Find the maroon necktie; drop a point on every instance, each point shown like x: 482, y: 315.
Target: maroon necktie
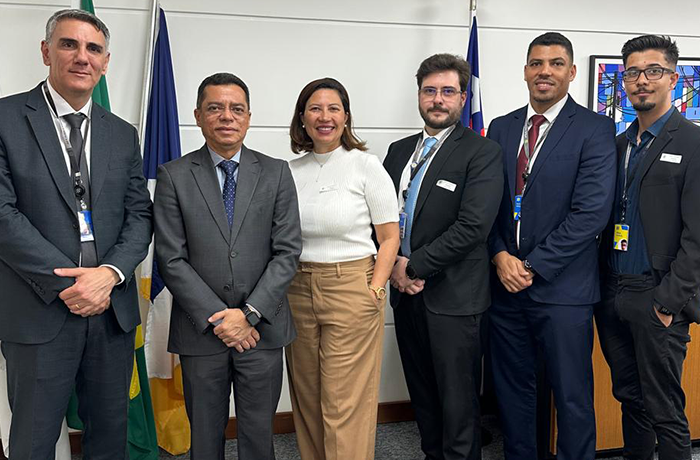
x: 532, y: 135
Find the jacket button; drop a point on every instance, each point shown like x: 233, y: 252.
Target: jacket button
x: 233, y: 254
x: 227, y: 288
x: 75, y: 226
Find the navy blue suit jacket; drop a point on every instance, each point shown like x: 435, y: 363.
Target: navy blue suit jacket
x: 566, y: 204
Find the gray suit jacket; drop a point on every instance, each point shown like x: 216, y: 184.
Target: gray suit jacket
x: 38, y: 219
x: 208, y: 266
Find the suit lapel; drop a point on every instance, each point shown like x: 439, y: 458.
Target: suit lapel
x: 435, y: 167
x: 100, y: 151
x: 660, y: 142
x: 208, y: 183
x: 398, y: 163
x: 556, y: 132
x: 515, y: 134
x: 45, y: 131
x: 248, y: 176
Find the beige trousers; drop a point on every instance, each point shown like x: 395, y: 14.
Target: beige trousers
x: 335, y: 361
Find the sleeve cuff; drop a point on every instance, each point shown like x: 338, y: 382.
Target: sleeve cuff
x: 117, y: 271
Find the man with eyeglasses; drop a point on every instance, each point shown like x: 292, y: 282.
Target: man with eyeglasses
x: 651, y: 284
x: 449, y: 183
x: 228, y: 241
x: 560, y: 172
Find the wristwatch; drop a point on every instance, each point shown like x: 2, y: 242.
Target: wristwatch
x: 410, y: 272
x: 380, y: 292
x: 663, y: 310
x: 528, y: 266
x: 250, y: 315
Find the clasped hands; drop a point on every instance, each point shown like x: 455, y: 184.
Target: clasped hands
x: 234, y: 329
x: 89, y: 296
x: 403, y: 283
x: 512, y: 272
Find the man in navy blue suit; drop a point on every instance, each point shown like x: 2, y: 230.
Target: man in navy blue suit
x: 559, y: 165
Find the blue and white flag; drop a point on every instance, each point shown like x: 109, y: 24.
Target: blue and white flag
x: 472, y: 115
x: 161, y: 143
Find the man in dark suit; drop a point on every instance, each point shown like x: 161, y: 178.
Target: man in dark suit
x: 651, y: 284
x: 559, y: 163
x: 75, y: 221
x: 228, y: 240
x: 449, y: 183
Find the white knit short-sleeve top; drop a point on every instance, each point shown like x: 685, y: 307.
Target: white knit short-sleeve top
x: 341, y: 194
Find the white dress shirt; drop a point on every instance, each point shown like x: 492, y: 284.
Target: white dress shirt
x: 63, y: 133
x: 550, y: 116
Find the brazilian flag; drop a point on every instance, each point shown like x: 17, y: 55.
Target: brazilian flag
x: 141, y: 438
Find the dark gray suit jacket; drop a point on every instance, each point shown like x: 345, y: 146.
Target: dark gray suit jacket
x: 38, y: 219
x: 208, y: 266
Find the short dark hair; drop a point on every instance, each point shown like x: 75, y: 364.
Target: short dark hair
x: 442, y: 62
x: 661, y: 43
x: 79, y: 15
x: 551, y: 39
x: 219, y: 79
x: 300, y: 139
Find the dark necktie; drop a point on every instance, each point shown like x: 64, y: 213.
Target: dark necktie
x: 75, y: 120
x: 532, y: 135
x: 229, y: 192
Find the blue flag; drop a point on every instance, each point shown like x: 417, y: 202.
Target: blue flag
x: 162, y: 136
x: 472, y: 115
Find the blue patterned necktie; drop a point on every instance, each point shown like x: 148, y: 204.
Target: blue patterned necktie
x: 412, y: 198
x: 229, y: 192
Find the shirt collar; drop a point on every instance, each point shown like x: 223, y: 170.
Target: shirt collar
x: 438, y: 136
x: 63, y: 107
x: 551, y: 113
x: 654, y: 130
x: 216, y: 158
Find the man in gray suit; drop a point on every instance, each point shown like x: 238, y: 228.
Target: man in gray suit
x: 75, y: 221
x: 227, y: 243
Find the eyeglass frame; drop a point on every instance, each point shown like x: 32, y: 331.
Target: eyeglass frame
x: 440, y: 91
x: 644, y: 71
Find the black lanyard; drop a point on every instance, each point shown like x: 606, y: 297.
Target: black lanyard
x: 78, y: 185
x: 630, y: 175
x: 530, y: 155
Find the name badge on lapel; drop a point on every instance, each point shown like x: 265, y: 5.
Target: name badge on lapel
x: 447, y: 185
x: 671, y: 158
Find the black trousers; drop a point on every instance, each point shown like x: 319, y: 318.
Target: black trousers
x: 646, y: 362
x: 256, y: 375
x: 441, y: 358
x: 92, y: 355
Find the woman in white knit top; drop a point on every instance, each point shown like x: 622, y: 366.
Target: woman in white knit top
x: 337, y: 297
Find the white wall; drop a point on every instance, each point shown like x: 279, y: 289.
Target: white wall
x: 373, y: 47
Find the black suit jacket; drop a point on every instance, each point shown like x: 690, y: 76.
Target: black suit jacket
x: 669, y: 206
x: 450, y: 228
x: 38, y: 219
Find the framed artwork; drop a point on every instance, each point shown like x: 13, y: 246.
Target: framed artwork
x: 607, y: 95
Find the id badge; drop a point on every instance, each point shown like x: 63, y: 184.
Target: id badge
x: 518, y: 206
x: 621, y: 237
x: 85, y: 223
x: 403, y: 217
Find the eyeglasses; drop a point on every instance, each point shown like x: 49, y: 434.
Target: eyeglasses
x: 652, y: 73
x: 447, y: 92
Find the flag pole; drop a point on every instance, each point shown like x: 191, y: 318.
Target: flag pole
x: 148, y: 71
x: 472, y: 13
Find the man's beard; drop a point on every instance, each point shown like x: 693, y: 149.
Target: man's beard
x: 451, y: 119
x: 643, y: 106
